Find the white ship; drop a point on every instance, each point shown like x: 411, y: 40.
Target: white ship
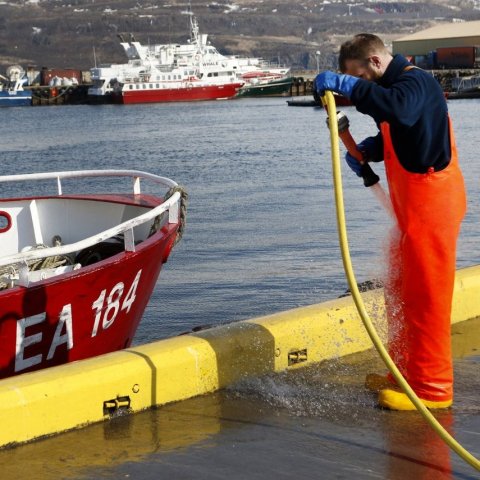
x: 180, y: 72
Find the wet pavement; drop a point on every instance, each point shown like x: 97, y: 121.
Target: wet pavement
x: 316, y: 422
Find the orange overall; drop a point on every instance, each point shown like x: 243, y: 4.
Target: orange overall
x: 429, y: 209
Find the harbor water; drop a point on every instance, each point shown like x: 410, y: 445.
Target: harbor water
x: 260, y: 238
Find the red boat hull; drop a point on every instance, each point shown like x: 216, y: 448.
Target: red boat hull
x: 83, y: 313
x: 184, y: 94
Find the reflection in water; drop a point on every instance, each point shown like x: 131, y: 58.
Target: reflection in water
x: 125, y: 438
x: 414, y: 449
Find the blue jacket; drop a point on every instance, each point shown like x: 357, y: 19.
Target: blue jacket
x: 414, y: 105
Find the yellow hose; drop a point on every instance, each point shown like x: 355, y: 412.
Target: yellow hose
x: 347, y: 265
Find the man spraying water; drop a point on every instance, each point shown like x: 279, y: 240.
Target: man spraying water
x: 416, y: 142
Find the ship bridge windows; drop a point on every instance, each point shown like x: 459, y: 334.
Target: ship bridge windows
x: 220, y: 74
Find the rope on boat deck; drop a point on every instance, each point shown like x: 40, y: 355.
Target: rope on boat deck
x: 183, y: 209
x: 357, y: 297
x: 183, y: 212
x: 9, y: 271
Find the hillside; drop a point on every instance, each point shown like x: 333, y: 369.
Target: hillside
x: 64, y: 34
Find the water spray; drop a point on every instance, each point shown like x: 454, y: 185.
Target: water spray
x: 370, y: 178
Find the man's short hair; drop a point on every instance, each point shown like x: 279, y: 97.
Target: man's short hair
x: 360, y: 47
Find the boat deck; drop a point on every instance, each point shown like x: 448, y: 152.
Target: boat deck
x: 315, y: 422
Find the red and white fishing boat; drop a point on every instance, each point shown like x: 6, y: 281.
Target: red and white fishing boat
x: 187, y: 89
x: 184, y: 72
x: 157, y: 74
x: 77, y: 269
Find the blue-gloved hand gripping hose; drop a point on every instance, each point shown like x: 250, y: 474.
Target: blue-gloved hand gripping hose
x: 347, y: 265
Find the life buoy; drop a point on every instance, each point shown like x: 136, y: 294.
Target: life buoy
x: 53, y: 91
x: 5, y: 221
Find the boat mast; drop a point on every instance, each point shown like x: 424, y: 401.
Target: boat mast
x: 194, y: 30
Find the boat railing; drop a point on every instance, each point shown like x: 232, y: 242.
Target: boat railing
x: 172, y: 205
x: 466, y: 83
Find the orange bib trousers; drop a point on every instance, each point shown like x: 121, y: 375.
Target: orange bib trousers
x: 429, y: 209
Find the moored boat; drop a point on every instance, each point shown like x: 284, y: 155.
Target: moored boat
x: 340, y: 101
x: 304, y: 103
x: 159, y: 73
x: 12, y: 93
x: 184, y: 72
x: 185, y: 90
x: 266, y: 86
x: 77, y: 269
x: 465, y: 87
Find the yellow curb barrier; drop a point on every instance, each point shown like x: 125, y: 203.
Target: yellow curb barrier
x: 70, y: 396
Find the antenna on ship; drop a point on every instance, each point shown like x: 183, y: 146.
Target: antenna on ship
x: 193, y: 24
x: 194, y: 28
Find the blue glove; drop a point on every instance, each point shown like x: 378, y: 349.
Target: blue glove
x: 368, y: 147
x: 339, y: 83
x: 354, y: 164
